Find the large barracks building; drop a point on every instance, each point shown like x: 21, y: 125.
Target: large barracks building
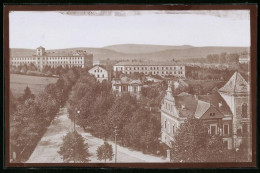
x: 41, y: 58
x: 154, y: 68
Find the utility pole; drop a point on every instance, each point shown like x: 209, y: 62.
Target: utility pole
x: 115, y: 143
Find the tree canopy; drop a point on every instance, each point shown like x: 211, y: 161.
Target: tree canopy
x: 105, y: 152
x: 74, y: 149
x: 193, y: 144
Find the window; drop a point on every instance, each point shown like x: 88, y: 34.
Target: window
x: 226, y: 143
x: 244, y: 110
x: 173, y: 130
x: 213, y: 129
x: 165, y: 124
x: 169, y: 127
x: 244, y: 128
x: 225, y: 129
x: 98, y: 75
x: 212, y: 114
x: 135, y: 89
x: 239, y: 131
x: 103, y: 75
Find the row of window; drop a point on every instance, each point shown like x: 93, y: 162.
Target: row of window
x: 48, y: 58
x: 152, y: 68
x: 147, y: 68
x: 98, y: 76
x: 52, y: 62
x: 180, y: 72
x: 97, y: 70
x: 213, y: 129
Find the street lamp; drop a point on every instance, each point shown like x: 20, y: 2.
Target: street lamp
x: 115, y: 143
x: 78, y: 112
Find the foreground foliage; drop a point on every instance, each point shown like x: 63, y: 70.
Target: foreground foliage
x: 31, y: 115
x: 105, y: 152
x: 74, y: 149
x: 101, y: 112
x: 194, y: 144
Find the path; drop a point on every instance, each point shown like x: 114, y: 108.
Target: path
x: 47, y: 149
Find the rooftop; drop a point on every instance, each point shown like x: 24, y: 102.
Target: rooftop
x: 148, y: 63
x: 217, y: 101
x: 236, y: 84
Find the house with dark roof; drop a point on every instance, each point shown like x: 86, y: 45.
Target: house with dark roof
x: 126, y: 85
x: 226, y: 113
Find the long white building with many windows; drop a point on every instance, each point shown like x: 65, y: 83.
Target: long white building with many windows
x: 41, y: 58
x: 154, y: 68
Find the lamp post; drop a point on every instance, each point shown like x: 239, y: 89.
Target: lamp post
x: 115, y: 144
x: 78, y: 112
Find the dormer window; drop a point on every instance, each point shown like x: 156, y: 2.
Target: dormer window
x: 212, y: 114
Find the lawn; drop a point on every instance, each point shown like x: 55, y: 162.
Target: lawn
x: 36, y: 83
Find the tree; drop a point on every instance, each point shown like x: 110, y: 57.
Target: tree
x: 193, y: 144
x: 74, y: 149
x: 26, y: 95
x: 105, y: 152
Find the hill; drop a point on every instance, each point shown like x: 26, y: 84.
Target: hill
x: 142, y: 48
x: 152, y: 52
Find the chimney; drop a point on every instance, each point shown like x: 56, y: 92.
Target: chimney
x: 182, y: 107
x: 219, y: 104
x: 196, y: 97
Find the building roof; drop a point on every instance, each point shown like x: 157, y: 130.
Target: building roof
x: 236, y: 84
x: 147, y: 63
x: 30, y: 53
x: 126, y: 80
x: 244, y: 57
x: 40, y: 47
x: 186, y: 104
x: 202, y: 107
x: 217, y: 101
x: 97, y: 66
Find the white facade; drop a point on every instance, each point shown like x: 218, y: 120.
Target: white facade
x: 155, y: 68
x: 99, y: 73
x: 42, y: 58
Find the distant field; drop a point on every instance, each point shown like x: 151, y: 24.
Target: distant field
x: 37, y: 84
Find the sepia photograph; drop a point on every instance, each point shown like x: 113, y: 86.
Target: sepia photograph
x: 130, y: 86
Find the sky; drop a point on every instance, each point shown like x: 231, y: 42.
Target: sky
x: 54, y: 30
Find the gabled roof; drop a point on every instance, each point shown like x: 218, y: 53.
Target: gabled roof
x: 40, y: 47
x: 217, y: 101
x: 236, y: 84
x: 202, y: 107
x: 147, y: 63
x: 186, y: 105
x: 97, y: 66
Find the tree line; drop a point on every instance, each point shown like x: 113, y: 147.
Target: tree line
x: 31, y: 69
x: 223, y: 58
x: 30, y: 115
x: 101, y: 112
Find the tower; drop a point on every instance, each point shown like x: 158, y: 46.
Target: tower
x: 236, y: 94
x: 40, y: 51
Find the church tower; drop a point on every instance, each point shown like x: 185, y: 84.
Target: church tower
x: 236, y: 94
